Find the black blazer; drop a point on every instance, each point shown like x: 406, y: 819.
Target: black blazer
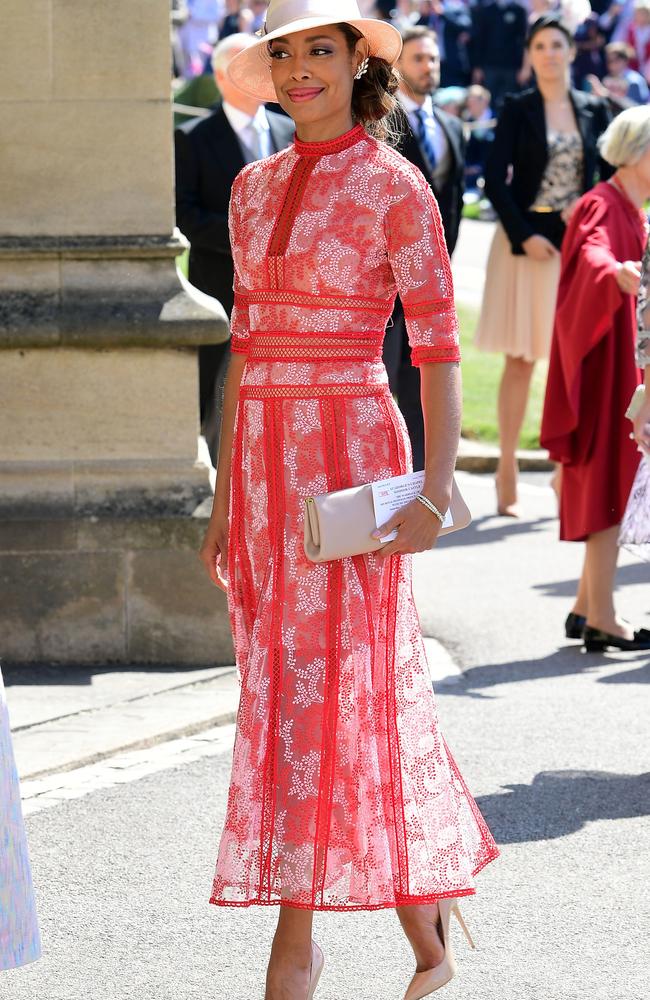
x: 208, y: 158
x: 520, y: 144
x: 450, y: 194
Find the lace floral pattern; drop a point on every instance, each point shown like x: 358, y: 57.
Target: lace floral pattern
x: 635, y: 526
x: 643, y: 313
x: 343, y: 792
x: 562, y: 181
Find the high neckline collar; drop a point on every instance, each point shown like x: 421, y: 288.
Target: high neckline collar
x: 329, y: 146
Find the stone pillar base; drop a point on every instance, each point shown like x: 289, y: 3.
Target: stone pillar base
x: 127, y: 591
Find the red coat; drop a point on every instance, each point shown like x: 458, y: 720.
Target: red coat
x: 592, y: 371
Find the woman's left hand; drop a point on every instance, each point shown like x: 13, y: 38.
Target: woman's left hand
x: 417, y: 531
x: 642, y: 426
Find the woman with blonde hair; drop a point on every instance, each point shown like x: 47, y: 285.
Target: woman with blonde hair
x: 593, y: 373
x: 344, y: 795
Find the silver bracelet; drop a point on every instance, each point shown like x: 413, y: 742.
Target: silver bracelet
x: 431, y: 506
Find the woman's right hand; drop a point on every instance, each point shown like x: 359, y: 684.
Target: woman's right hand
x: 214, y: 550
x: 628, y: 276
x: 539, y: 248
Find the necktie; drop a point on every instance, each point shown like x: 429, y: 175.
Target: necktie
x: 253, y: 141
x: 425, y: 140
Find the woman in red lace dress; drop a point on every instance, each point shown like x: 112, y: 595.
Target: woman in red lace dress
x: 343, y: 794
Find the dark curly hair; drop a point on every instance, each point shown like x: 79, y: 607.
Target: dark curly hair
x: 374, y: 104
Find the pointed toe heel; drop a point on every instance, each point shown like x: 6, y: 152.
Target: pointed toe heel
x: 425, y: 983
x: 317, y: 963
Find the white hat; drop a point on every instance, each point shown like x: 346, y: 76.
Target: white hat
x: 250, y: 69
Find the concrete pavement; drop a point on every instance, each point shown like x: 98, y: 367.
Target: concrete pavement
x: 553, y: 742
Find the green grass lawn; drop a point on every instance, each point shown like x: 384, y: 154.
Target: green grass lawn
x: 481, y: 376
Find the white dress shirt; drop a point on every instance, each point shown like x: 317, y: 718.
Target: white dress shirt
x: 253, y: 134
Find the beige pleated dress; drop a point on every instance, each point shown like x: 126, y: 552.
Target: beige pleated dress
x: 520, y: 294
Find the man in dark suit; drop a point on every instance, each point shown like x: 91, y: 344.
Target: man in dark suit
x: 498, y: 43
x: 210, y: 152
x: 434, y: 142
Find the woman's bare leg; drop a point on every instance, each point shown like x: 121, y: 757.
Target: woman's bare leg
x: 513, y: 400
x: 287, y: 977
x: 420, y: 924
x: 581, y: 604
x: 600, y: 571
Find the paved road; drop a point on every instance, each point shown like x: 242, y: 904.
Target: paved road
x: 553, y: 743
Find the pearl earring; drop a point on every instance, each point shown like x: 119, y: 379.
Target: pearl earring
x: 363, y: 68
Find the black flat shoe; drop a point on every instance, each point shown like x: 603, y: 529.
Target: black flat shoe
x: 574, y: 626
x: 597, y: 641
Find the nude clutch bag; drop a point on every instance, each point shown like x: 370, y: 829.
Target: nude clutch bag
x: 340, y: 524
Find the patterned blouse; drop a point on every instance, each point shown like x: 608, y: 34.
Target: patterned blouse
x: 562, y: 180
x: 643, y: 313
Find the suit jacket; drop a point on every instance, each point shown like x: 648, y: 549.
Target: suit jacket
x: 498, y: 35
x: 520, y: 144
x: 208, y: 158
x: 450, y: 195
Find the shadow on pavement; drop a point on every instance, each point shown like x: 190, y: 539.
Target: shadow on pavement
x: 638, y: 675
x: 477, y: 534
x: 558, y: 803
x: 563, y: 663
x: 634, y: 573
x: 50, y: 675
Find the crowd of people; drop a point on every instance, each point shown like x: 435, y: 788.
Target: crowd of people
x: 332, y: 237
x: 344, y: 795
x: 536, y: 160
x: 482, y: 42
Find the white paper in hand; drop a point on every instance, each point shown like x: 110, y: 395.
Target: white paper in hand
x: 390, y: 495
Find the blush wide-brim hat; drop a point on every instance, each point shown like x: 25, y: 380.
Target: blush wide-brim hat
x: 250, y: 70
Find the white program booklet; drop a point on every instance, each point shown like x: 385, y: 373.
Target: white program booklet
x: 390, y: 495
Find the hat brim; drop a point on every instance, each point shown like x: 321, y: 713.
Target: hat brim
x: 250, y: 70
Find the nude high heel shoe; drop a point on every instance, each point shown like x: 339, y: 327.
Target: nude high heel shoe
x: 317, y: 963
x: 424, y: 983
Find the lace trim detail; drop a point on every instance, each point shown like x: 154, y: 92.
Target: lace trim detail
x: 330, y: 146
x: 334, y: 445
x: 315, y: 347
x: 285, y: 220
x: 431, y: 308
x: 276, y: 517
x: 420, y: 355
x: 289, y: 297
x: 311, y: 391
x: 239, y: 567
x: 239, y: 345
x: 399, y: 900
x: 342, y: 337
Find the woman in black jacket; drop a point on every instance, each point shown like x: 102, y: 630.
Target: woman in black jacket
x: 543, y: 158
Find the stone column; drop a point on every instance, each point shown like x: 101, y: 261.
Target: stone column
x: 99, y: 482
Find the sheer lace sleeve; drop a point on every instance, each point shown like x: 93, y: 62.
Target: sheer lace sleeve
x: 239, y: 321
x: 643, y: 313
x: 420, y: 264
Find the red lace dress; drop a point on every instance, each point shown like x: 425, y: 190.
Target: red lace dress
x: 343, y: 793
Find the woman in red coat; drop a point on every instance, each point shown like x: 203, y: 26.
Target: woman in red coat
x: 593, y: 373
